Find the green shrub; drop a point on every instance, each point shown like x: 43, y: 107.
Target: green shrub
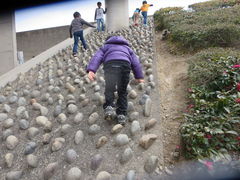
x: 212, y: 120
x: 214, y: 4
x: 199, y: 30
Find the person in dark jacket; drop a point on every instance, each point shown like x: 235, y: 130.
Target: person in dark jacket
x: 118, y: 59
x: 76, y: 31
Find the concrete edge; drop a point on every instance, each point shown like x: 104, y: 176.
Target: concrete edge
x: 12, y: 75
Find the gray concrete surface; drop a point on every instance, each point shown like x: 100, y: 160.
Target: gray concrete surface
x: 117, y: 16
x: 35, y: 42
x: 8, y: 53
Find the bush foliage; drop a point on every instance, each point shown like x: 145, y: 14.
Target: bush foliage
x: 200, y: 29
x: 212, y: 125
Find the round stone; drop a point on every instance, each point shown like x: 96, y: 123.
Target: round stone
x: 30, y: 148
x: 93, y: 118
x: 78, y: 118
x: 50, y: 170
x: 9, y: 159
x: 116, y: 129
x: 96, y: 161
x: 133, y: 116
x: 11, y: 142
x: 3, y: 116
x: 133, y: 94
x: 131, y: 175
x: 8, y: 123
x: 147, y: 108
x: 126, y: 156
x: 79, y: 136
x: 41, y: 120
x: 151, y: 123
x: 101, y: 141
x: 13, y: 99
x: 147, y: 140
x: 14, y: 175
x: 46, y: 138
x: 103, y: 175
x: 135, y: 127
x: 94, y: 129
x: 151, y: 164
x: 32, y: 160
x: 65, y: 129
x: 74, y: 174
x: 71, y: 156
x: 121, y: 140
x: 7, y: 133
x: 23, y: 124
x: 62, y: 118
x: 72, y: 108
x: 32, y: 132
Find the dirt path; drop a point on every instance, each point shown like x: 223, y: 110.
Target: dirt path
x: 172, y: 74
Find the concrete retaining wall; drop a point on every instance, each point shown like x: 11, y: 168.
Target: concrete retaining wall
x: 34, y: 42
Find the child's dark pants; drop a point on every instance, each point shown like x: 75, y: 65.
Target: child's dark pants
x: 116, y: 73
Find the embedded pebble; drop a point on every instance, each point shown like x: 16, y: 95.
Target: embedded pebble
x: 133, y: 116
x: 101, y: 141
x: 131, y: 175
x: 130, y: 106
x: 116, y: 129
x: 23, y: 124
x: 79, y: 136
x: 8, y: 123
x: 61, y: 118
x: 93, y: 118
x: 13, y: 99
x: 135, y: 127
x: 57, y: 144
x: 32, y: 160
x: 71, y: 156
x: 151, y: 164
x: 6, y: 108
x: 11, y: 142
x: 32, y: 132
x: 6, y: 133
x: 96, y: 161
x: 94, y: 129
x: 74, y: 174
x: 14, y: 175
x: 121, y: 139
x: 2, y: 99
x: 78, y: 118
x: 65, y: 129
x: 72, y: 108
x: 46, y: 138
x: 133, y: 94
x: 9, y: 159
x: 151, y: 123
x: 147, y: 107
x: 103, y: 175
x: 126, y: 156
x: 147, y: 140
x: 3, y: 116
x: 30, y: 148
x: 50, y: 170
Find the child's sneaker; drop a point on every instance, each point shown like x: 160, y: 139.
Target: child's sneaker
x: 74, y: 54
x: 121, y: 119
x: 109, y: 113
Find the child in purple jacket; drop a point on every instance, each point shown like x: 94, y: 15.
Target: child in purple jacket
x: 118, y: 59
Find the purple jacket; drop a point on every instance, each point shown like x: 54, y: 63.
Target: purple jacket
x: 116, y: 48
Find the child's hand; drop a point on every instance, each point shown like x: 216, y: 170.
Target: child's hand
x: 91, y: 75
x: 140, y: 80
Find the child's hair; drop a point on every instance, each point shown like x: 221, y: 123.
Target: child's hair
x: 137, y: 9
x: 76, y: 14
x: 144, y: 2
x: 99, y: 3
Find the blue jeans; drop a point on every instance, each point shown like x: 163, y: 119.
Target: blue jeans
x: 77, y: 35
x: 100, y: 24
x: 144, y: 14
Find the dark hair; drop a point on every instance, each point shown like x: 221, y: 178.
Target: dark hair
x: 99, y: 3
x: 76, y: 14
x: 144, y: 2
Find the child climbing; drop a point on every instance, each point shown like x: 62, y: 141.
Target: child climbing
x: 76, y: 31
x: 99, y: 17
x: 144, y: 10
x: 118, y: 59
x: 136, y: 15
